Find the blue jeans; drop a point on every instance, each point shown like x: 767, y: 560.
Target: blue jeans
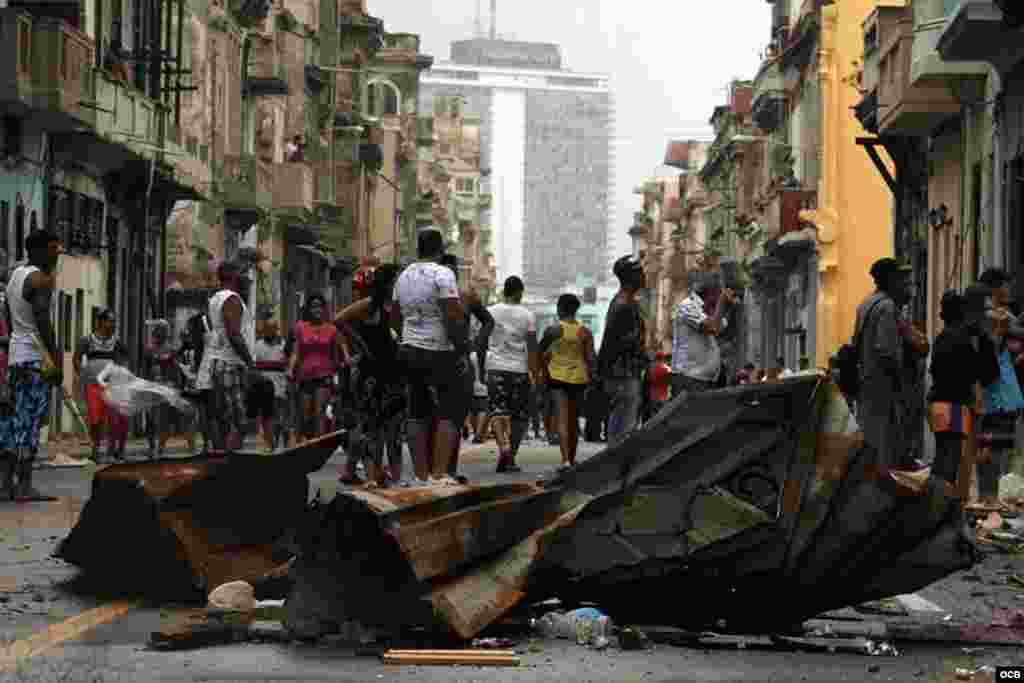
x: 625, y: 396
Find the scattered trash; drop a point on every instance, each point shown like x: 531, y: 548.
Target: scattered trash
x: 948, y: 617
x: 880, y: 649
x: 493, y: 643
x: 236, y: 596
x: 972, y: 651
x: 585, y: 625
x: 964, y: 674
x: 632, y: 638
x: 452, y: 657
x: 202, y: 628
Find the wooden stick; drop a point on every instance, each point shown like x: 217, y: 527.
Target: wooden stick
x: 68, y: 401
x: 480, y: 652
x: 450, y: 660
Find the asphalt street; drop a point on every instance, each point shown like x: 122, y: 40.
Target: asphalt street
x: 57, y: 628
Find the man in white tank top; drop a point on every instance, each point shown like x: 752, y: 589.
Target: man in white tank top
x: 29, y: 294
x: 227, y: 360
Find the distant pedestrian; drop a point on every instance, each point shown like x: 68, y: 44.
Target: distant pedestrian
x: 512, y: 365
x: 882, y: 362
x: 622, y: 359
x: 570, y: 362
x: 963, y: 360
x: 162, y: 368
x: 696, y: 356
x: 227, y: 359
x: 272, y: 410
x: 435, y: 340
x: 94, y: 353
x: 1004, y: 400
x: 30, y: 378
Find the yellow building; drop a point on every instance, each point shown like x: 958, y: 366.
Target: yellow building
x: 853, y: 217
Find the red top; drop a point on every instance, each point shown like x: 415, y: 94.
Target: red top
x: 315, y: 342
x: 658, y: 378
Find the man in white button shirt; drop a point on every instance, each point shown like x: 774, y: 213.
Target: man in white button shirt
x: 696, y: 356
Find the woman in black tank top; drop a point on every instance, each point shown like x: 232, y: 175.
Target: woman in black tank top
x: 378, y: 388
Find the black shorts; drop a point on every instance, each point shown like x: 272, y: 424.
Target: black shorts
x: 509, y: 394
x: 436, y: 386
x: 575, y: 391
x: 259, y: 401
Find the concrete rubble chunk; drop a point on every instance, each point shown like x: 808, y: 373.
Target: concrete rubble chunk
x: 234, y: 595
x: 763, y: 495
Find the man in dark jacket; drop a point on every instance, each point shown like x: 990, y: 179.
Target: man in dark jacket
x: 623, y: 359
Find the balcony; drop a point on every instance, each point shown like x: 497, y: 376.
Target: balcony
x: 16, y: 57
x: 784, y: 211
x: 293, y: 188
x: 242, y: 182
x: 124, y: 115
x: 266, y: 73
x: 927, y: 64
x: 903, y: 107
x: 769, y: 108
x: 983, y: 30
x: 399, y: 47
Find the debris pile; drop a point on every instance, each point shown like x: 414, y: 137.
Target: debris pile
x: 181, y: 527
x: 761, y: 498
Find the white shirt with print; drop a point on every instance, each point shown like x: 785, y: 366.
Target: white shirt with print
x: 418, y: 292
x: 508, y: 350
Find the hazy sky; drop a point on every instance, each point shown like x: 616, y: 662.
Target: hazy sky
x: 669, y: 60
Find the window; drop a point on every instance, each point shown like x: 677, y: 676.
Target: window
x: 382, y: 99
x: 465, y: 185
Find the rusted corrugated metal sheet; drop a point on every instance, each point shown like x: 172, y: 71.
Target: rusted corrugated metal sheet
x: 755, y: 504
x: 192, y: 524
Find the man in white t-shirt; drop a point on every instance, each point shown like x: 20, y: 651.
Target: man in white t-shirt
x: 512, y: 366
x: 435, y: 341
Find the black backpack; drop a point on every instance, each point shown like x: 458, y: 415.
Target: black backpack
x: 847, y: 360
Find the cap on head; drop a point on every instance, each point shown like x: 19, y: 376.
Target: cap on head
x: 885, y: 268
x: 105, y: 314
x: 40, y: 239
x: 627, y: 266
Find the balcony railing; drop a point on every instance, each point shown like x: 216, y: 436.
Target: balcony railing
x: 980, y: 30
x: 16, y: 56
x: 927, y: 64
x: 124, y: 115
x: 266, y: 73
x: 243, y: 182
x: 769, y: 97
x: 905, y: 108
x: 62, y: 59
x: 406, y: 42
x: 293, y: 187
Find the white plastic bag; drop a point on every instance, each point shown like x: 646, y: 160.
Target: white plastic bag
x: 130, y: 395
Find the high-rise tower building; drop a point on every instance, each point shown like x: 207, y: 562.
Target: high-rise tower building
x: 546, y: 140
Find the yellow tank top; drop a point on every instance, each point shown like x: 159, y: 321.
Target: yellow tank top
x: 568, y: 363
